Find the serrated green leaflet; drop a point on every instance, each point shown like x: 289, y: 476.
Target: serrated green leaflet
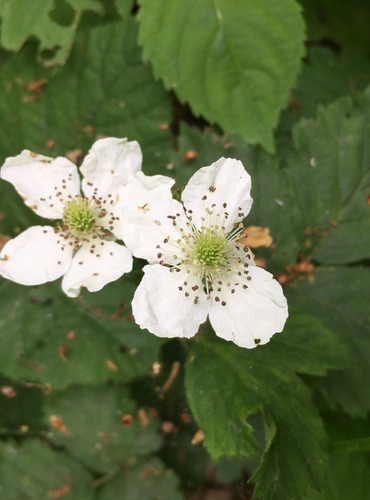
x: 49, y: 338
x: 234, y: 62
x: 34, y: 470
x: 55, y: 28
x: 329, y: 178
x: 340, y: 298
x: 100, y: 439
x: 233, y: 385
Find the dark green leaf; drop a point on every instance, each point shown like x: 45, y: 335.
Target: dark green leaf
x: 48, y: 337
x: 340, y: 298
x: 33, y: 471
x: 330, y: 179
x: 348, y: 478
x: 326, y: 75
x: 352, y: 445
x: 343, y: 23
x: 100, y: 426
x: 143, y: 481
x: 104, y: 89
x: 234, y: 385
x: 307, y: 346
x: 21, y: 407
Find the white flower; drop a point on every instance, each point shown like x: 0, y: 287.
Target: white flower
x: 81, y: 247
x: 197, y: 266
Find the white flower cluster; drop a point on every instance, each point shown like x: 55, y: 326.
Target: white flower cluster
x: 197, y: 266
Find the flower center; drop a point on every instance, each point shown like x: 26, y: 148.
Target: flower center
x: 79, y: 216
x: 210, y: 249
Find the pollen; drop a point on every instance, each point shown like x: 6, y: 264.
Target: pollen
x: 79, y: 215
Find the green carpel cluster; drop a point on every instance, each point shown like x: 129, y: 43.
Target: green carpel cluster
x: 79, y: 215
x: 210, y: 249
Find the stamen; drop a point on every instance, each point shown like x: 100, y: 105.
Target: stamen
x: 209, y: 255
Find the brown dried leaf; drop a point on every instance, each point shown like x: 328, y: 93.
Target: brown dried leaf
x: 255, y: 236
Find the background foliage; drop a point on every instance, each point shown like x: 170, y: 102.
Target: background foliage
x: 91, y: 406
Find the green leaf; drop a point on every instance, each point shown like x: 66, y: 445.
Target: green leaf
x: 55, y: 28
x: 341, y: 23
x: 329, y: 178
x: 352, y: 445
x: 148, y: 480
x: 339, y: 297
x: 326, y: 75
x: 49, y: 338
x: 21, y: 407
x: 234, y: 62
x: 307, y: 346
x: 123, y: 7
x: 33, y: 470
x: 348, y: 478
x: 99, y: 438
x: 235, y: 385
x: 104, y: 89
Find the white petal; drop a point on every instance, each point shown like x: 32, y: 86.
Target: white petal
x: 44, y: 183
x: 223, y: 187
x: 146, y: 190
x: 35, y: 256
x: 251, y: 316
x: 160, y: 307
x: 94, y: 270
x: 147, y: 207
x: 143, y: 195
x: 107, y: 166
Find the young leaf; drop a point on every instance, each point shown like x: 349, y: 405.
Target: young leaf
x: 233, y: 62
